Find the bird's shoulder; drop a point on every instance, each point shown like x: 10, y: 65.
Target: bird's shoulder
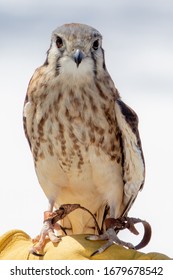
x: 38, y: 81
x: 131, y: 119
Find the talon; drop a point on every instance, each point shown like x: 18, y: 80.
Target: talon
x: 130, y: 246
x: 95, y: 253
x: 35, y: 252
x: 125, y: 244
x: 112, y: 238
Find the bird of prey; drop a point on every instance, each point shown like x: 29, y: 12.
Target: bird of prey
x: 84, y: 139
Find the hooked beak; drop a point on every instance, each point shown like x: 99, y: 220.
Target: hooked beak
x: 78, y: 56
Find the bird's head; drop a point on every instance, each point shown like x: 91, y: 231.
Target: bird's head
x: 76, y: 49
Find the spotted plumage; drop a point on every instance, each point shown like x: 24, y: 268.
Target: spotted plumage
x: 83, y: 137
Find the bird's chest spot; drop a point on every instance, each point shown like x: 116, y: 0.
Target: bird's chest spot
x: 67, y: 125
x: 56, y: 144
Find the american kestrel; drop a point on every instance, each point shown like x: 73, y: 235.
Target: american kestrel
x: 83, y: 137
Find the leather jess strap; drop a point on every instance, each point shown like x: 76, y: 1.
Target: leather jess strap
x: 129, y: 223
x: 117, y: 224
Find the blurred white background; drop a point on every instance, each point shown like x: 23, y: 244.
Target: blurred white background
x: 138, y: 43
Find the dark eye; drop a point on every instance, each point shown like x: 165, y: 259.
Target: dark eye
x: 96, y: 45
x: 59, y: 42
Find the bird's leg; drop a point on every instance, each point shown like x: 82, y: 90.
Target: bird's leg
x: 111, y: 227
x: 111, y: 236
x: 47, y: 232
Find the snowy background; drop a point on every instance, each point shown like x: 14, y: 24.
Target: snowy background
x: 138, y: 43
